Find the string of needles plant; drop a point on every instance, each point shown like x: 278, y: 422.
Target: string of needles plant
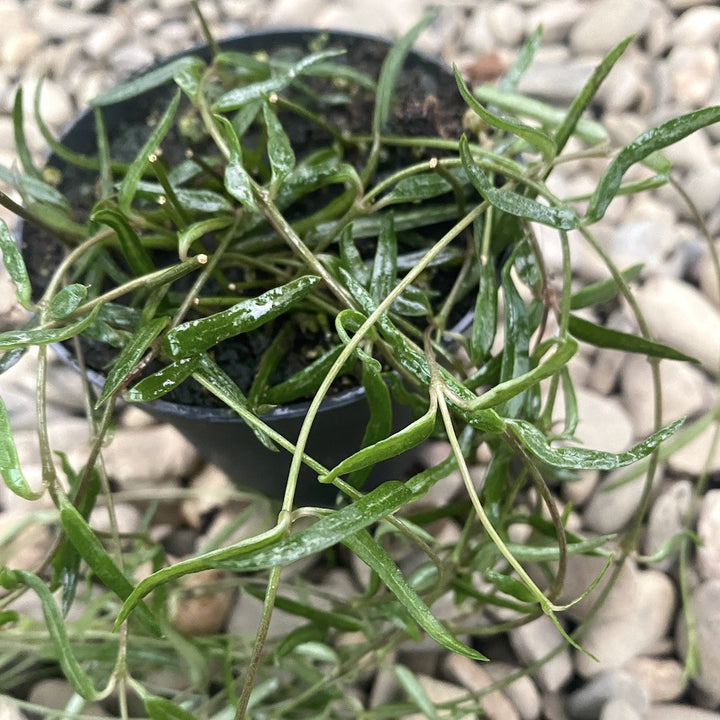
x: 358, y: 251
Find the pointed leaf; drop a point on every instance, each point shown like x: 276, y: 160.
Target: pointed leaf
x: 130, y: 356
x: 163, y: 381
x: 237, y: 181
x: 643, y: 145
x: 9, y: 461
x: 384, y: 269
x: 15, y: 266
x: 485, y: 317
x: 606, y: 338
x: 136, y: 254
x: 44, y: 335
x: 197, y: 230
x: 279, y: 150
x: 66, y: 301
x: 603, y: 290
x: 579, y: 458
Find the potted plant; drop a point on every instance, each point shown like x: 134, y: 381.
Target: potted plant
x: 275, y: 226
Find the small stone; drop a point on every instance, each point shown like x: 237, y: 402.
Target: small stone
x: 699, y: 185
x: 17, y: 48
x: 9, y: 709
x: 522, y: 692
x: 105, y: 37
x: 604, y: 424
x: 130, y: 58
x: 666, y: 519
x: 533, y: 641
x: 211, y: 488
x: 56, y: 107
x: 147, y: 457
x: 663, y: 678
x: 127, y: 517
x: 707, y: 276
x: 693, y: 73
x: 507, y: 23
x: 674, y: 711
x: 679, y: 315
x: 245, y: 619
x: 57, y: 22
x: 605, y: 23
x: 708, y: 529
x: 25, y: 544
x: 475, y: 678
x: 697, y: 26
x: 50, y: 693
x: 556, y: 18
x: 686, y: 391
x: 587, y: 702
x: 701, y: 453
x: 439, y: 692
x: 619, y: 709
x: 705, y: 607
x: 200, y: 609
x: 560, y: 80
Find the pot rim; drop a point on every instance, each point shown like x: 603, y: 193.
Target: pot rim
x: 280, y: 412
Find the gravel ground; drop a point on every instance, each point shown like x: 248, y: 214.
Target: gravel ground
x: 83, y: 46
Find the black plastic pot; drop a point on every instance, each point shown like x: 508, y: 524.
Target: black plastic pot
x: 218, y: 433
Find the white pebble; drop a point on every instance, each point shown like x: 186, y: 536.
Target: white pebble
x: 697, y: 26
x: 105, y: 37
x: 708, y: 529
x: 693, y: 73
x: 17, y: 48
x: 606, y: 22
x: 506, y: 23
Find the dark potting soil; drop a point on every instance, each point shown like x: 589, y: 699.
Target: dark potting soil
x: 427, y: 103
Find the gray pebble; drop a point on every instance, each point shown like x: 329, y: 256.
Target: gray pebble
x: 587, y: 702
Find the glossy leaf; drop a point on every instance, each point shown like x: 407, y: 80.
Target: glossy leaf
x: 485, y: 317
x: 534, y: 137
x: 511, y: 586
x: 78, y: 679
x: 237, y: 181
x: 196, y: 336
x: 275, y: 353
x: 579, y: 458
x: 87, y: 544
x: 44, y: 335
x: 10, y: 462
x: 190, y: 234
x: 509, y: 81
x: 9, y: 358
x: 511, y: 202
x: 401, y: 441
x: 606, y: 338
x: 384, y: 269
x: 128, y: 186
x: 130, y: 356
x: 643, y: 145
x: 239, y: 96
x: 603, y: 290
x: 15, y: 266
x: 305, y: 381
x: 147, y: 81
x: 352, y: 260
x: 188, y: 76
x: 192, y: 200
x: 137, y: 256
x: 163, y: 381
x: 66, y: 301
x: 381, y: 563
x: 583, y: 99
x: 421, y: 186
x: 279, y: 150
x: 390, y: 71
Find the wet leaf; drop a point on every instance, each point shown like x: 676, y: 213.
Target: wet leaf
x: 9, y: 461
x: 15, y: 266
x: 279, y: 150
x: 44, y: 335
x: 163, y: 381
x: 197, y: 230
x: 66, y: 301
x: 384, y: 269
x: 137, y: 256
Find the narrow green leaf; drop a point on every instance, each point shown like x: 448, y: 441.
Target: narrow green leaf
x: 128, y: 186
x: 604, y: 337
x: 279, y: 150
x: 66, y: 301
x: 588, y: 131
x: 538, y: 553
x: 380, y: 562
x: 603, y: 290
x: 585, y: 96
x: 485, y: 317
x: 159, y: 708
x: 44, y: 335
x: 534, y: 137
x: 399, y: 442
x: 571, y: 414
x: 87, y: 544
x: 510, y: 586
x: 578, y: 458
x: 136, y: 254
x: 196, y: 336
x: 193, y: 201
x: 421, y: 186
x: 146, y: 81
x: 198, y: 229
x: 21, y: 147
x: 415, y: 691
x: 352, y: 260
x: 15, y: 266
x: 275, y: 353
x: 79, y: 680
x: 163, y: 381
x: 643, y: 145
x: 237, y: 97
x: 304, y: 382
x: 390, y: 71
x: 237, y: 181
x: 130, y: 356
x: 511, y: 202
x: 10, y: 358
x: 509, y: 81
x: 188, y: 76
x: 9, y: 461
x: 384, y: 269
